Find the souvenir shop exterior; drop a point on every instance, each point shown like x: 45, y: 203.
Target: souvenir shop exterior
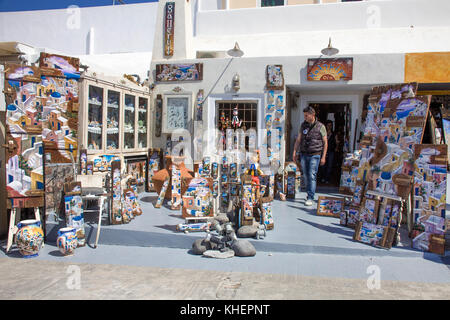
x: 267, y: 94
x: 222, y: 108
x: 231, y: 118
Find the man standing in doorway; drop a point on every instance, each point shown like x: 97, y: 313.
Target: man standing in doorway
x: 313, y: 143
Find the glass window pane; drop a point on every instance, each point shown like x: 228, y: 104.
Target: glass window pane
x: 142, y: 123
x: 112, y: 116
x: 95, y: 118
x: 271, y: 3
x: 177, y: 117
x: 129, y: 122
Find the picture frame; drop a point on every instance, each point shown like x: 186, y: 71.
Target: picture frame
x: 330, y: 206
x: 374, y: 234
x: 179, y: 72
x: 369, y: 210
x: 176, y: 112
x: 274, y: 77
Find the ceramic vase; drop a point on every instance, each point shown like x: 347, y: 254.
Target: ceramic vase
x: 67, y: 241
x: 29, y: 238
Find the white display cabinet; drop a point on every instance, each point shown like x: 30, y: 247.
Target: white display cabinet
x: 114, y: 116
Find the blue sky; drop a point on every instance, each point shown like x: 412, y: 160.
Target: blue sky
x: 27, y: 5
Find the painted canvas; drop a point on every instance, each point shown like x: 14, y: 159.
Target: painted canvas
x: 18, y: 72
x: 176, y: 188
x: 427, y: 233
x: 274, y: 77
x: 102, y: 163
x: 247, y: 202
x: 83, y: 162
x: 429, y: 203
x: 373, y: 234
x: 358, y: 193
x: 75, y: 216
x: 197, y: 199
x: 394, y: 124
x: 41, y: 117
x: 430, y: 180
x: 330, y: 206
x: 290, y: 185
x: 352, y: 216
x: 130, y: 203
x: 179, y: 72
x: 369, y: 211
x: 24, y: 166
x: 154, y: 165
x: 391, y: 215
x: 330, y: 69
x: 68, y: 66
x: 266, y: 213
x: 162, y: 194
x: 56, y: 175
x: 206, y: 166
x: 116, y: 206
x: 137, y: 168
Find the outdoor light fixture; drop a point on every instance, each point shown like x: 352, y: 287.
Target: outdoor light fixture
x: 236, y: 82
x: 329, y: 51
x: 235, y: 52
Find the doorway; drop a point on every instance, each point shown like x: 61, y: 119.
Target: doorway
x: 337, y: 116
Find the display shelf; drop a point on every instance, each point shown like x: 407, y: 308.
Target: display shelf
x: 142, y: 122
x: 95, y: 118
x: 115, y: 117
x: 129, y: 122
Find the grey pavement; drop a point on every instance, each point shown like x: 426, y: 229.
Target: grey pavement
x: 304, y: 256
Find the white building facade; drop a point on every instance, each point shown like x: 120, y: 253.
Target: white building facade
x: 387, y: 42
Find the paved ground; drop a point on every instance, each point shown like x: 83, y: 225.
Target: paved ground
x: 304, y: 257
x: 38, y: 279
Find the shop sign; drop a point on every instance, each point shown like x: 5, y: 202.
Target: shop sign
x: 169, y: 25
x: 330, y: 69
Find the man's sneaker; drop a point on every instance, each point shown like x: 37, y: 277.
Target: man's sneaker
x: 309, y: 203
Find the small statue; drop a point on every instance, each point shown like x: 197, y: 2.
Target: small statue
x: 224, y: 238
x: 223, y: 120
x: 236, y: 123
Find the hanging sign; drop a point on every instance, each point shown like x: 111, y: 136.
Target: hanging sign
x: 330, y: 69
x: 169, y: 24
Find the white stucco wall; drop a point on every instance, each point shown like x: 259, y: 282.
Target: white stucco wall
x: 116, y: 29
x: 369, y: 70
x: 390, y: 26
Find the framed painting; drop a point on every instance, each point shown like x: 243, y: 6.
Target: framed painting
x: 17, y: 72
x: 330, y: 206
x: 155, y: 163
x: 274, y: 77
x: 330, y: 69
x: 179, y: 72
x: 58, y: 65
x: 375, y: 235
x: 369, y: 210
x: 176, y: 113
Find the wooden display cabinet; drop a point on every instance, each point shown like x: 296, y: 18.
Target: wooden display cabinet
x: 114, y: 117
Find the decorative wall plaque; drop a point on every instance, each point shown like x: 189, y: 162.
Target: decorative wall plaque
x: 274, y: 77
x: 169, y: 25
x: 330, y: 69
x: 179, y: 72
